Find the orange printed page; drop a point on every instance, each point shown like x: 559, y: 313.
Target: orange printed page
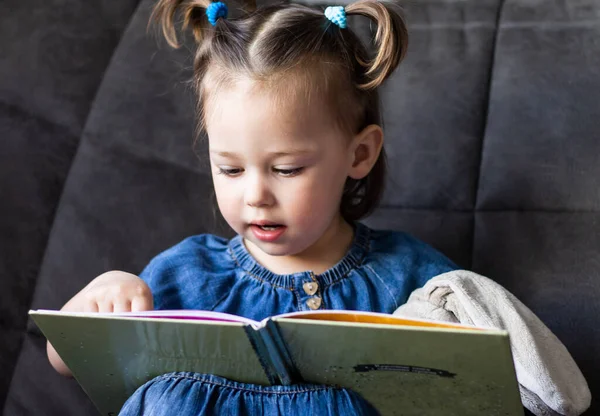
x: 373, y: 318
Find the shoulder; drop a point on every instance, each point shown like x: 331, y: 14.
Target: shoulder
x: 398, y: 242
x: 401, y: 254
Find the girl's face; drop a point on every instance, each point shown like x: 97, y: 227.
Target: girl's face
x: 278, y: 170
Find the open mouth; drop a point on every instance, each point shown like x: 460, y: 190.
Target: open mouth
x: 270, y: 227
x: 267, y: 232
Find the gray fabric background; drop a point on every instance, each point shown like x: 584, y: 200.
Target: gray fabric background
x: 492, y: 131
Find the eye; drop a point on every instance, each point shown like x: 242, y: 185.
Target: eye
x: 288, y: 172
x: 230, y: 171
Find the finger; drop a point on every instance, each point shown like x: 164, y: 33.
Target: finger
x: 142, y: 303
x: 90, y: 306
x: 105, y: 307
x: 122, y: 305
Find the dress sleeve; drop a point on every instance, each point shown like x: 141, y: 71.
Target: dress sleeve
x: 161, y: 276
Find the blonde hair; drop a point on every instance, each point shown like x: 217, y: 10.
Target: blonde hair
x: 298, y: 45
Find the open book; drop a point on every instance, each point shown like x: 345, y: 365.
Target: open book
x: 402, y: 366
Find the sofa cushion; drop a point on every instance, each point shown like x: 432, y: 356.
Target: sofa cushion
x: 52, y: 58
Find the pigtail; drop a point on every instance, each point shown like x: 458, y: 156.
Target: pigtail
x: 194, y: 16
x: 391, y: 39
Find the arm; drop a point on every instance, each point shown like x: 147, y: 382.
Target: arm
x: 113, y: 291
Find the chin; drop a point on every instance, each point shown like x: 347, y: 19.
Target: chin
x: 281, y: 247
x: 273, y: 249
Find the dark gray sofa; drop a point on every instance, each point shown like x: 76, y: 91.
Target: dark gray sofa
x: 493, y: 136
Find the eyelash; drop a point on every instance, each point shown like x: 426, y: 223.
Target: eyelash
x: 229, y: 172
x: 286, y: 173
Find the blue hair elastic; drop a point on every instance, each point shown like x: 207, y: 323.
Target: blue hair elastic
x: 337, y: 15
x: 216, y: 10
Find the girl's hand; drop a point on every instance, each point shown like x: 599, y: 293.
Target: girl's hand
x: 110, y: 292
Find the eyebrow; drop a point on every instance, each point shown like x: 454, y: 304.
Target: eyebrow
x: 276, y: 154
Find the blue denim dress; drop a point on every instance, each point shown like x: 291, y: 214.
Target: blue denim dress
x: 206, y: 272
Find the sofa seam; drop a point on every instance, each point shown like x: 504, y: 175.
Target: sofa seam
x: 487, y: 102
x: 485, y: 122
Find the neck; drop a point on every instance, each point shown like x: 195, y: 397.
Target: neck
x: 329, y: 249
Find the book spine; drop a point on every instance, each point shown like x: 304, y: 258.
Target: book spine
x: 282, y: 364
x: 259, y: 347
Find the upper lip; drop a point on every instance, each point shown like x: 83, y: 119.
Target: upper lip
x: 262, y: 223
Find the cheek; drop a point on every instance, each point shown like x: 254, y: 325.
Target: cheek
x: 316, y: 199
x: 226, y: 196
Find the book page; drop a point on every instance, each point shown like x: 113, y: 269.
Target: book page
x: 162, y: 314
x: 373, y: 318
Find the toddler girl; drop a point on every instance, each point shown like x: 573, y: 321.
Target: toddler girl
x: 288, y: 97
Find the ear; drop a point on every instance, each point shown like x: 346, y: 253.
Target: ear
x: 365, y: 149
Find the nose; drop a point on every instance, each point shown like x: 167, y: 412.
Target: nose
x: 257, y: 192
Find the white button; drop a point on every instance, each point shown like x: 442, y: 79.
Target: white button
x: 314, y: 303
x: 310, y: 288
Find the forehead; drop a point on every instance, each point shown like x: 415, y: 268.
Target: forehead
x: 252, y: 109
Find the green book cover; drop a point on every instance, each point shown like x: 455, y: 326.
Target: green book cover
x: 402, y: 366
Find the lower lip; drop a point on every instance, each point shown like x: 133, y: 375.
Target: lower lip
x: 267, y: 236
